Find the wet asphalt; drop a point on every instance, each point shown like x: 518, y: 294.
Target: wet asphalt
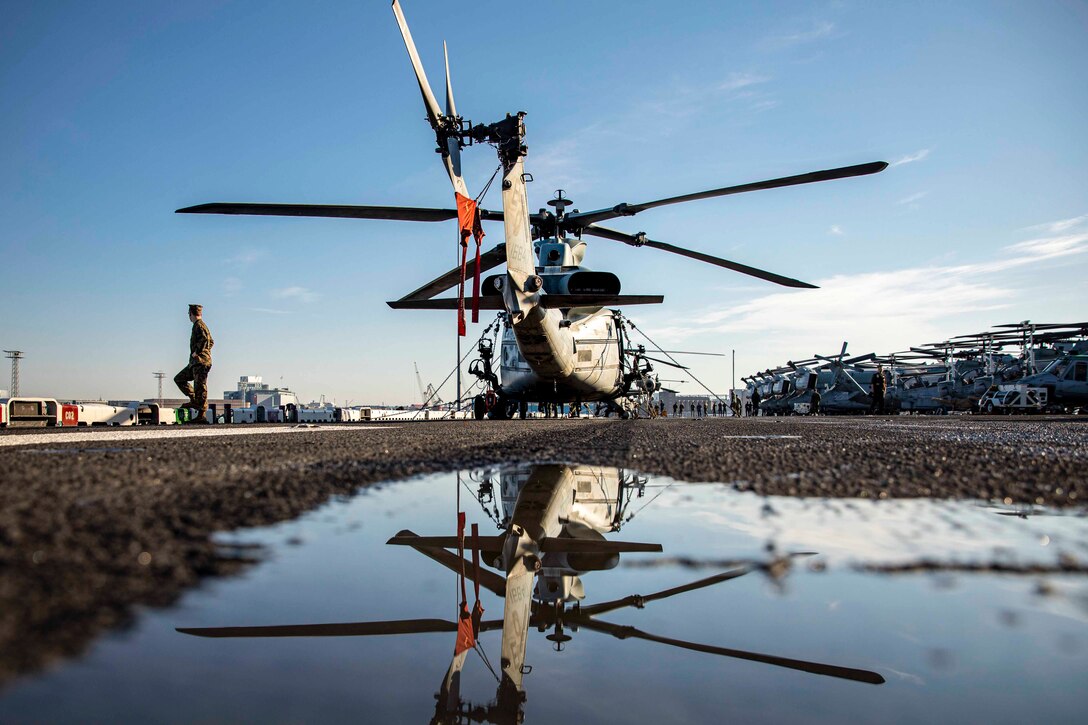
x: 91, y: 528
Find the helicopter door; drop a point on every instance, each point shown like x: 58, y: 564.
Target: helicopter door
x: 1076, y: 380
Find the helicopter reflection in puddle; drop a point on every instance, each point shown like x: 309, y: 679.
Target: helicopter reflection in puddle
x: 553, y: 521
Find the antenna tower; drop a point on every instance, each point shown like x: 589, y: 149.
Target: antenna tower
x: 159, y: 376
x: 14, y: 356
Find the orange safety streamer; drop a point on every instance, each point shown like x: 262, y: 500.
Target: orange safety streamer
x: 468, y: 222
x: 466, y: 636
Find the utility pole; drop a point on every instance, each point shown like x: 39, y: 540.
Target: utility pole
x: 734, y: 369
x: 14, y: 356
x: 160, y: 376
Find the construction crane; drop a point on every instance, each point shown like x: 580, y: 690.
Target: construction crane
x: 428, y: 395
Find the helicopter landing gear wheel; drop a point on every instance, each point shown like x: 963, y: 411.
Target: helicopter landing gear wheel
x: 479, y: 407
x: 989, y: 407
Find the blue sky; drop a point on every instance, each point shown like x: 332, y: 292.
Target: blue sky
x: 117, y: 114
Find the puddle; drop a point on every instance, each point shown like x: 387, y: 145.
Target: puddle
x: 755, y: 609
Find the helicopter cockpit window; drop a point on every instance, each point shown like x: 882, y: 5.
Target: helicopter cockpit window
x: 1079, y: 372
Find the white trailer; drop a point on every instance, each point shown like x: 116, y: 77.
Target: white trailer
x: 1013, y: 397
x: 155, y: 414
x: 34, y: 412
x: 105, y: 414
x: 244, y: 415
x: 348, y: 415
x: 315, y: 415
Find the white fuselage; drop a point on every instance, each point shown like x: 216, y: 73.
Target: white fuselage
x: 544, y: 359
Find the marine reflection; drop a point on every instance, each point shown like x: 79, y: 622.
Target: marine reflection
x: 552, y: 520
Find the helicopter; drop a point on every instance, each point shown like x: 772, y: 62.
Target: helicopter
x: 563, y: 341
x: 553, y: 520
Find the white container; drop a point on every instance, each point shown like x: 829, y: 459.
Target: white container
x: 105, y: 414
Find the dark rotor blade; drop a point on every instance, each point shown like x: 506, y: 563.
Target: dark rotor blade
x: 343, y: 629
x: 580, y: 220
x: 495, y: 302
x: 343, y: 211
x: 664, y: 362
x: 636, y: 240
x: 488, y: 260
x: 1045, y: 326
x: 638, y: 600
x: 593, y: 300
x: 816, y: 668
x: 487, y: 302
x: 590, y: 546
x: 407, y: 538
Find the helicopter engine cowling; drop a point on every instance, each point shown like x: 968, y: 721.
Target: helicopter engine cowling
x: 581, y: 282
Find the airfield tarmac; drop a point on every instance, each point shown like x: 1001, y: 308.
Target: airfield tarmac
x: 95, y: 523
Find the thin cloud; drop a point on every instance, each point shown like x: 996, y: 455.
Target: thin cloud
x: 1061, y: 225
x: 912, y: 198
x: 300, y: 294
x: 817, y: 31
x: 246, y: 257
x: 836, y: 230
x: 911, y: 158
x: 919, y: 299
x: 1050, y: 247
x: 738, y: 80
x: 268, y: 311
x: 232, y: 286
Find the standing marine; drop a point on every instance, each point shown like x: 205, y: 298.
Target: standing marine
x: 880, y: 387
x: 200, y: 362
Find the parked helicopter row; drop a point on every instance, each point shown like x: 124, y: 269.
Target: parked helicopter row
x: 562, y: 342
x: 1019, y: 367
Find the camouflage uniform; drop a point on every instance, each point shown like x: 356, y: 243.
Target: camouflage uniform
x: 200, y: 362
x: 880, y: 387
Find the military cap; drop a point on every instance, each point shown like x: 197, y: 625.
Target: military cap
x: 196, y: 310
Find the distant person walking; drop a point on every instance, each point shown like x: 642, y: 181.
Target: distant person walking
x: 814, y: 404
x: 755, y: 402
x: 200, y: 363
x: 879, y: 388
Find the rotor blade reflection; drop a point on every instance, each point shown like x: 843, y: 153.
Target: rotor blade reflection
x: 638, y: 600
x: 816, y: 668
x: 488, y: 579
x: 343, y: 629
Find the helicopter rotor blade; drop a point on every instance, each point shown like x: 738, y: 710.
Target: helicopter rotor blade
x: 342, y: 211
x: 336, y: 211
x: 639, y: 240
x: 451, y: 107
x: 341, y: 629
x: 434, y: 113
x: 816, y: 668
x: 638, y: 600
x: 664, y: 362
x: 583, y: 219
x: 488, y: 260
